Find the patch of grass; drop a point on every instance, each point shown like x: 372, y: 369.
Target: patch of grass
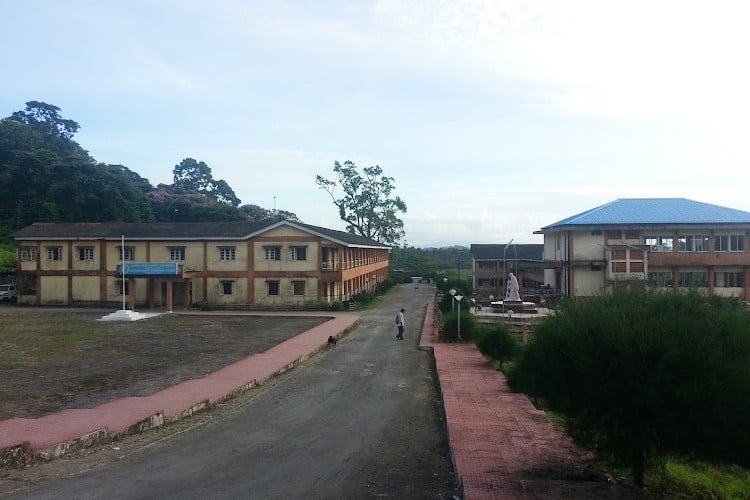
x: 37, y: 333
x: 679, y: 479
x: 53, y: 360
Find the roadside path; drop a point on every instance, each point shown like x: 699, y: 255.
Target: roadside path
x: 502, y: 446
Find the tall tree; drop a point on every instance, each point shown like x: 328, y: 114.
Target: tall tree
x: 46, y: 118
x: 194, y: 176
x: 174, y: 205
x: 367, y: 205
x: 258, y: 214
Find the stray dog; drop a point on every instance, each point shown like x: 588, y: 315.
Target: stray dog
x: 332, y: 341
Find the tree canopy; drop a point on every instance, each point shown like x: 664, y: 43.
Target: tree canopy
x: 195, y: 176
x: 367, y: 204
x: 45, y: 176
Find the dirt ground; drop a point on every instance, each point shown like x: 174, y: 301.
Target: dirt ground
x: 111, y: 360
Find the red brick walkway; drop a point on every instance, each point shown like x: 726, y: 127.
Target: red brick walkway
x: 502, y: 446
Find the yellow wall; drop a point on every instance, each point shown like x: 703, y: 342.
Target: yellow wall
x: 215, y: 295
x: 286, y: 263
x: 240, y: 252
x: 85, y: 288
x: 55, y: 289
x: 285, y: 291
x: 54, y: 265
x: 587, y: 282
x: 587, y: 246
x: 85, y: 265
x: 113, y: 254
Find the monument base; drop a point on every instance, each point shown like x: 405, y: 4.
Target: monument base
x: 517, y: 306
x: 127, y: 315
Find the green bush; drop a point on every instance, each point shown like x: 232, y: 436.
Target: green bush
x: 450, y: 326
x: 639, y: 373
x: 497, y: 342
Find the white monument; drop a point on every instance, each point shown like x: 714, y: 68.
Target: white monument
x: 511, y: 292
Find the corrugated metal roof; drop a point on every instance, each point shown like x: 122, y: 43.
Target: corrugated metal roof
x: 654, y: 211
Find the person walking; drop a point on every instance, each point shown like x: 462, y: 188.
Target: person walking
x: 400, y: 324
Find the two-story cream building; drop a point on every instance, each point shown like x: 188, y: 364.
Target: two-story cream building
x: 182, y: 264
x: 658, y: 242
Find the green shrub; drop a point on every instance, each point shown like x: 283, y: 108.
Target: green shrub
x: 640, y: 373
x: 450, y: 326
x: 497, y: 342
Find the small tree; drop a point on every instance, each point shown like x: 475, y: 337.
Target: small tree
x: 638, y: 373
x: 497, y: 342
x: 367, y: 205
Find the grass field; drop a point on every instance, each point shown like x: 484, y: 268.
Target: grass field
x: 53, y: 360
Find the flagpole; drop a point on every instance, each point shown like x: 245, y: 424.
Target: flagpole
x: 122, y: 254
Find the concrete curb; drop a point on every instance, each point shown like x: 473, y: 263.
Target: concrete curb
x: 427, y: 342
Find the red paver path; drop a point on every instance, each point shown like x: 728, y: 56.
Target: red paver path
x: 502, y: 446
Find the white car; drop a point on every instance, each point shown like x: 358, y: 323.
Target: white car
x: 8, y: 293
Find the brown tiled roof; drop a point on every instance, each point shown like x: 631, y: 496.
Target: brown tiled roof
x: 342, y: 236
x: 525, y: 251
x: 173, y: 231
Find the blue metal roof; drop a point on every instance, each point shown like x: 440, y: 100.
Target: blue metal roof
x: 655, y: 211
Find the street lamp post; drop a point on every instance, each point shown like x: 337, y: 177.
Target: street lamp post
x: 458, y: 299
x: 452, y: 291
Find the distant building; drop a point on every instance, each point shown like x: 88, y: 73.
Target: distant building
x: 491, y: 264
x: 184, y: 264
x: 655, y: 242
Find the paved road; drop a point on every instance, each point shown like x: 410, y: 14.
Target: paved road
x: 362, y: 420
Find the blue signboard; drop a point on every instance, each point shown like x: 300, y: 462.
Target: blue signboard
x: 143, y: 269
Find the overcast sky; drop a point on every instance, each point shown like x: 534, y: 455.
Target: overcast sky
x: 495, y: 118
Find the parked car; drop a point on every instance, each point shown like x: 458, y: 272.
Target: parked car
x: 8, y: 293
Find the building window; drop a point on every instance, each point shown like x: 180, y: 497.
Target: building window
x: 119, y: 287
x: 486, y: 282
x: 693, y: 243
x: 273, y: 287
x: 483, y: 264
x: 632, y: 234
x: 659, y: 243
x: 730, y: 280
x: 660, y: 278
x: 636, y: 266
x: 129, y: 253
x: 729, y: 243
x: 227, y: 287
x: 619, y: 267
x: 298, y: 253
x: 298, y: 287
x: 273, y: 253
x: 690, y: 279
x: 176, y: 253
x: 54, y: 253
x: 85, y: 253
x: 27, y: 253
x: 227, y: 253
x: 610, y: 234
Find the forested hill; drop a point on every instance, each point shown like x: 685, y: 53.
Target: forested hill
x: 45, y: 176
